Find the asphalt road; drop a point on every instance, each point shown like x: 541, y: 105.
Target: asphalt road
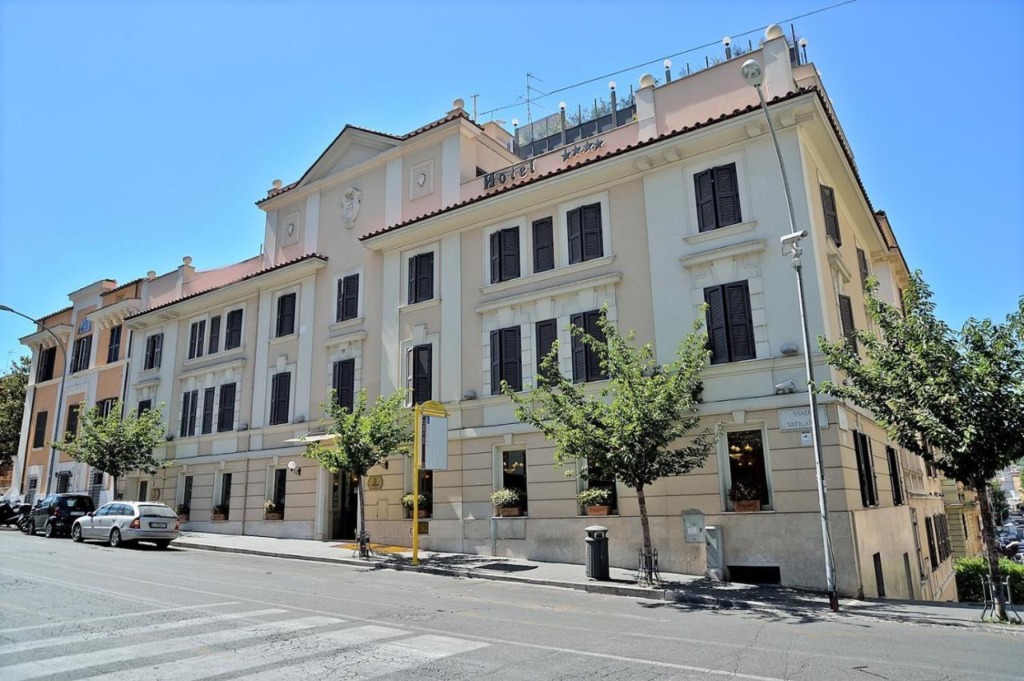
x: 70, y: 611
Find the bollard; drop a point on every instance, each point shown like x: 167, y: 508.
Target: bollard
x: 597, y: 553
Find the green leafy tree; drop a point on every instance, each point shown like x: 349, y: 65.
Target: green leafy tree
x: 365, y: 437
x: 632, y: 429
x: 12, y: 406
x: 955, y: 398
x: 117, y: 443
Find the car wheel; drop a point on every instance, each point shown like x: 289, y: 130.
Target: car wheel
x: 162, y: 543
x: 76, y: 533
x: 50, y: 531
x: 115, y: 538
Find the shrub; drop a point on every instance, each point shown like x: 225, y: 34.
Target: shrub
x: 183, y: 509
x: 505, y: 498
x: 595, y: 496
x: 407, y: 501
x: 970, y: 572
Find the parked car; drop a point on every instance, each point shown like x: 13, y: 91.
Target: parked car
x: 55, y: 514
x: 121, y: 523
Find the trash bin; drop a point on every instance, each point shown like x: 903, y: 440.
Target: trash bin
x: 597, y: 552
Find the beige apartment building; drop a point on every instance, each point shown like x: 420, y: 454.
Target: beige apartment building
x: 450, y: 258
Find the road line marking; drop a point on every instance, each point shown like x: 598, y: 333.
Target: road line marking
x: 69, y: 663
x: 23, y: 646
x: 88, y: 589
x: 251, y: 657
x: 115, y: 616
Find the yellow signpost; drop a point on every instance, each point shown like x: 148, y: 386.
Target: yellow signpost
x: 429, y: 408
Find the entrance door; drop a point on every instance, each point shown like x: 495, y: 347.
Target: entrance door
x: 143, y: 490
x: 344, y: 507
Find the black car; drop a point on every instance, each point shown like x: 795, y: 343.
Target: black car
x: 56, y: 513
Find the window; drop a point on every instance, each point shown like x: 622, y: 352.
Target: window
x: 546, y: 332
x: 39, y: 437
x: 189, y: 406
x: 196, y: 339
x: 828, y: 205
x: 71, y: 427
x: 942, y: 538
x: 718, y: 198
x: 543, y: 245
x: 233, y: 333
x: 504, y: 254
x: 421, y: 278
x: 33, y: 487
x: 343, y: 381
x: 862, y: 264
x: 114, y: 348
x: 420, y: 374
x: 879, y: 576
x: 80, y: 354
x: 932, y: 554
x: 506, y: 359
x: 846, y: 317
x: 730, y: 324
x: 63, y: 482
x: 105, y: 406
x: 225, y: 494
x: 280, y: 488
x: 285, y: 315
x: 586, y: 362
x: 144, y: 406
x: 865, y: 469
x: 214, y: 335
x: 47, y: 362
x: 154, y: 351
x: 348, y: 298
x: 585, y: 242
x: 208, y: 396
x: 280, y: 389
x: 894, y: 475
x: 748, y: 467
x: 513, y: 475
x: 226, y: 414
x: 186, y: 495
x: 599, y: 479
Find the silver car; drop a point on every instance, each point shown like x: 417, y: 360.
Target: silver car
x: 121, y: 523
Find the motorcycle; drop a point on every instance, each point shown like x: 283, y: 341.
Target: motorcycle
x: 8, y: 513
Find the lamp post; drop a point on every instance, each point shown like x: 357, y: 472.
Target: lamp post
x: 754, y: 75
x: 60, y: 391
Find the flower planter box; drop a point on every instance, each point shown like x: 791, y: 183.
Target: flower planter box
x: 598, y: 510
x: 218, y: 517
x: 510, y: 512
x: 747, y: 506
x: 273, y: 516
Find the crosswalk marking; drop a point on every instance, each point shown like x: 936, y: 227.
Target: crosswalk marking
x: 127, y: 615
x: 75, y: 639
x: 255, y: 656
x: 68, y: 663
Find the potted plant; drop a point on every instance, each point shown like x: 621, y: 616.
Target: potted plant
x: 507, y: 502
x: 745, y: 496
x: 183, y: 511
x: 219, y: 513
x: 424, y: 504
x: 271, y: 510
x: 596, y: 500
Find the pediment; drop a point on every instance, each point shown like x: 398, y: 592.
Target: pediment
x: 350, y: 148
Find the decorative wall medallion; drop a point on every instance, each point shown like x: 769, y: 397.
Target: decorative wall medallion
x: 421, y: 179
x: 85, y: 326
x: 350, y: 206
x: 289, y: 229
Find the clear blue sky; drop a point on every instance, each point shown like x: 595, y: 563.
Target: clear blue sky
x: 136, y: 133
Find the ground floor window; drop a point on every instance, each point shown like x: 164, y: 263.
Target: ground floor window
x: 225, y: 496
x: 63, y: 482
x: 597, y: 479
x: 748, y: 469
x: 280, y: 489
x: 33, y: 487
x: 513, y: 476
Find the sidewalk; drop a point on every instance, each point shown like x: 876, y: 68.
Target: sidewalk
x: 680, y: 590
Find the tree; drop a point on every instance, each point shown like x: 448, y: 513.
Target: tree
x: 1000, y: 505
x: 365, y: 438
x: 630, y: 429
x: 955, y: 398
x: 12, y: 406
x: 117, y: 443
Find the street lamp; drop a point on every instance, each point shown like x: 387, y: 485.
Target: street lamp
x: 754, y: 75
x: 60, y: 393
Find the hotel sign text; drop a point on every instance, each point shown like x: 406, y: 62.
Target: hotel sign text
x: 506, y: 175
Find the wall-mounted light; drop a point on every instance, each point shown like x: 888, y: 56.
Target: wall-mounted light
x: 294, y: 468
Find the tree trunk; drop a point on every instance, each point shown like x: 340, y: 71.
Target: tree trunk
x: 645, y: 523
x: 988, y: 536
x: 364, y: 543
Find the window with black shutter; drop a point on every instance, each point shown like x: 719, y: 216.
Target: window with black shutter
x: 280, y: 390
x: 546, y: 332
x: 71, y: 427
x: 586, y: 361
x: 504, y: 254
x: 585, y: 240
x: 543, y: 245
x: 348, y: 298
x: 226, y: 412
x: 47, y: 363
x: 718, y: 198
x: 105, y: 406
x: 506, y: 359
x: 189, y: 407
x: 207, y: 426
x: 39, y: 437
x: 421, y: 278
x: 828, y: 206
x: 196, y: 339
x: 862, y: 264
x: 730, y: 323
x: 420, y: 373
x: 865, y: 469
x: 80, y: 354
x: 285, y: 315
x: 154, y: 351
x: 233, y: 332
x: 931, y: 543
x: 894, y: 475
x: 280, y: 488
x: 846, y: 318
x: 114, y: 348
x: 144, y: 406
x: 214, y: 335
x: 344, y: 383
